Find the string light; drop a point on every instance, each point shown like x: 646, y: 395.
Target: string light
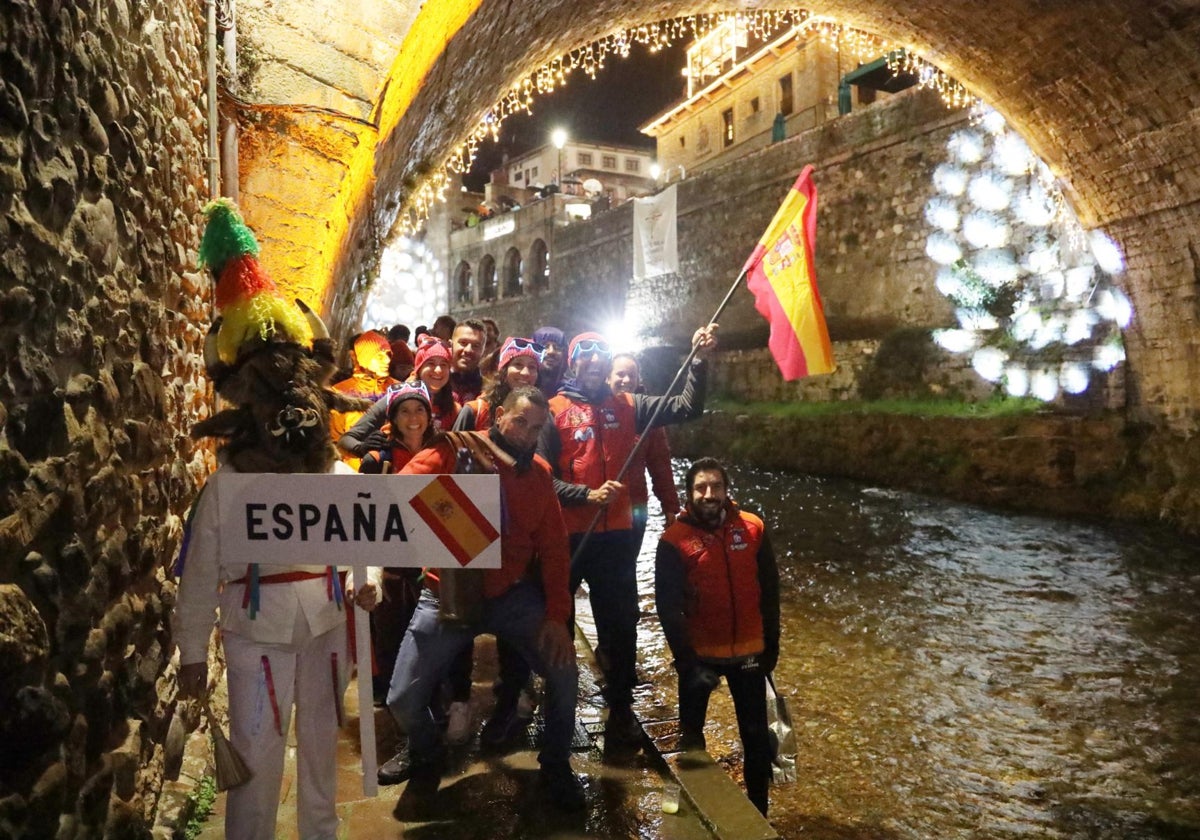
x: 590, y: 59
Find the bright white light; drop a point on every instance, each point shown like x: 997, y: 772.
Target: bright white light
x: 655, y: 171
x: 404, y: 260
x: 1112, y: 305
x: 990, y: 191
x: 1107, y: 253
x: 1011, y: 155
x: 943, y: 249
x: 1033, y: 206
x: 1080, y: 281
x: 1050, y: 286
x: 956, y: 341
x: 966, y: 146
x: 1044, y: 385
x: 989, y: 363
x: 985, y: 230
x: 1016, y: 381
x: 1074, y: 378
x: 992, y: 122
x: 997, y: 267
x: 1026, y: 325
x: 942, y: 214
x: 1079, y: 326
x: 1042, y: 258
x: 949, y: 179
x: 558, y: 137
x: 1108, y: 356
x: 623, y: 335
x: 948, y: 282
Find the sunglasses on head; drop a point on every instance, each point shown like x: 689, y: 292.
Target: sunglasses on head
x: 588, y: 346
x: 523, y: 344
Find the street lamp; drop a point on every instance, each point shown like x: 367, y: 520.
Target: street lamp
x: 655, y: 171
x: 559, y: 138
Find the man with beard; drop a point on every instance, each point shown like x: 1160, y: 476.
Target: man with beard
x: 527, y: 611
x: 593, y: 433
x: 717, y: 594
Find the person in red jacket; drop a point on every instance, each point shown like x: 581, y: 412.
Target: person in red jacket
x: 716, y: 589
x: 529, y: 614
x: 593, y: 433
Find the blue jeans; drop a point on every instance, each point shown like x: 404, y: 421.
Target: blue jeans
x: 609, y: 565
x: 430, y: 647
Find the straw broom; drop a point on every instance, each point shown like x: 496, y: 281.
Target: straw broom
x: 231, y: 769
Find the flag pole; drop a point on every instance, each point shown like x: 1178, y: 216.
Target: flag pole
x: 661, y: 402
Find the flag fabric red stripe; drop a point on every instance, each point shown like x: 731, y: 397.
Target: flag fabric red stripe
x: 782, y: 275
x: 435, y: 524
x: 468, y: 507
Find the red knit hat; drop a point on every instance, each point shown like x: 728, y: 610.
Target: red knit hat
x: 408, y: 391
x: 372, y: 340
x: 585, y: 338
x: 514, y: 347
x: 432, y: 349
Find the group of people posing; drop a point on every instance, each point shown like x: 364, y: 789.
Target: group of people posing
x: 556, y: 421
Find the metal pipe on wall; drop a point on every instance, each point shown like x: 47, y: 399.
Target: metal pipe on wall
x: 230, y: 168
x: 214, y: 171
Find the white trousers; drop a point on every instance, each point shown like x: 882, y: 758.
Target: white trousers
x: 301, y: 672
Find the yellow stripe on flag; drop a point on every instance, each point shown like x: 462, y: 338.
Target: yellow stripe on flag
x: 458, y: 523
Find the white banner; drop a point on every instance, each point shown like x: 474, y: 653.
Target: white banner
x: 441, y: 521
x: 654, y: 243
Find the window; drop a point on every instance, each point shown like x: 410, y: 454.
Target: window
x: 534, y: 173
x: 527, y: 175
x: 539, y: 273
x: 608, y: 161
x: 487, y: 279
x: 727, y: 127
x: 517, y: 177
x: 512, y: 273
x: 682, y: 142
x: 462, y: 282
x: 785, y: 95
x: 583, y: 158
x: 633, y: 165
x: 754, y: 105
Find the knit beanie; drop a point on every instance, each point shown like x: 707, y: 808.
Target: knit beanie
x: 548, y: 335
x: 370, y: 341
x: 514, y: 347
x: 408, y: 391
x: 432, y: 349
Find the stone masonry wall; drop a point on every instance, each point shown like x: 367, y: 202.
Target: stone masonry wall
x: 101, y: 319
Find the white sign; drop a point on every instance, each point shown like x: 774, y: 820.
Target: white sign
x: 498, y: 227
x: 654, y: 240
x: 441, y: 521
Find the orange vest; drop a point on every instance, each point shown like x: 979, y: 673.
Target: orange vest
x: 596, y: 440
x: 724, y: 600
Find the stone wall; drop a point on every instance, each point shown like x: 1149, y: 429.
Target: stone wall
x: 101, y: 318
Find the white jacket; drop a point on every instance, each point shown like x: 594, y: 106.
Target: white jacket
x: 206, y: 584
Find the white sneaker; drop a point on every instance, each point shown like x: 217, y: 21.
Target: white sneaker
x: 458, y: 724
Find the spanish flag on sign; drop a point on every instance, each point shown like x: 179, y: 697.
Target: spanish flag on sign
x: 783, y: 278
x: 450, y: 514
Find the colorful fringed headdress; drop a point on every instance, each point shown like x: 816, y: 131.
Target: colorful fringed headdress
x: 252, y: 309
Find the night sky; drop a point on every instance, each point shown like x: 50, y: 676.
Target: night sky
x: 624, y: 95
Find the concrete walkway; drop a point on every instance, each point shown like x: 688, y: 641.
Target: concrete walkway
x: 485, y: 796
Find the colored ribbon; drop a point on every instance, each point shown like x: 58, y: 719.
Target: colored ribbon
x: 266, y: 663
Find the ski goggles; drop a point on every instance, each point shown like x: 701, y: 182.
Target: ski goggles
x: 588, y: 346
x: 515, y: 344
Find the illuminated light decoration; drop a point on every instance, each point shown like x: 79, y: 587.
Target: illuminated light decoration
x: 1108, y: 255
x: 1036, y: 290
x: 985, y: 230
x: 990, y: 190
x: 1044, y: 384
x: 950, y: 179
x: 966, y: 146
x: 1074, y: 377
x: 1011, y: 154
x: 942, y: 214
x: 409, y: 289
x: 1108, y: 356
x: 956, y: 341
x: 989, y: 363
x: 1016, y: 380
x: 943, y: 249
x: 624, y: 334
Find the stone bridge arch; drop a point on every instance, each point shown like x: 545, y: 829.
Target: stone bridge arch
x: 1104, y: 91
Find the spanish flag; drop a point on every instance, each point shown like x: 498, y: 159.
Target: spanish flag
x: 450, y: 514
x: 783, y: 279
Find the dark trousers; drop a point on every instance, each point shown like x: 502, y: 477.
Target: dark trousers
x: 748, y: 687
x: 609, y: 565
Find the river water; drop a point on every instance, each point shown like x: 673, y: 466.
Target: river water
x: 959, y: 672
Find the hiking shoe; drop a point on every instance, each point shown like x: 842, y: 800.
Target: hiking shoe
x: 502, y: 728
x: 622, y: 728
x: 458, y: 723
x: 561, y: 786
x: 395, y: 770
